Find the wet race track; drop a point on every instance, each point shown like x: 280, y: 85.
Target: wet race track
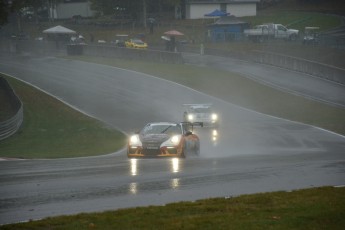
x: 253, y: 152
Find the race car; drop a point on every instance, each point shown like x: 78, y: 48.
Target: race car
x: 163, y: 139
x: 201, y: 113
x: 136, y: 43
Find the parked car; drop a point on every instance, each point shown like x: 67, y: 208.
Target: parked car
x: 266, y: 31
x: 121, y: 40
x: 136, y: 43
x: 311, y: 35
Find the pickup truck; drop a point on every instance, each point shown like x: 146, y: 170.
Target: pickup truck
x: 263, y: 32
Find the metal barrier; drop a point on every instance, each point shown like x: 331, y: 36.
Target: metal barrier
x: 11, y: 125
x: 135, y: 54
x: 324, y: 71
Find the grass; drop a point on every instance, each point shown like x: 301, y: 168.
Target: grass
x: 57, y: 131
x: 317, y: 208
x: 239, y: 90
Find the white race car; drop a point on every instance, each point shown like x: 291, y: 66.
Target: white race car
x: 201, y: 113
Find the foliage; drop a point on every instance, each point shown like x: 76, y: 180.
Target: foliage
x: 131, y: 8
x: 4, y: 11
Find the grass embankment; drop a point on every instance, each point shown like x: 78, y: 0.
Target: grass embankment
x: 318, y: 208
x: 52, y: 129
x: 239, y: 90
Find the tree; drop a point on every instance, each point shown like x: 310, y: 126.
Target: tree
x: 4, y: 11
x: 136, y: 9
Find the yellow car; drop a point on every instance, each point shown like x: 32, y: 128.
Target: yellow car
x: 136, y: 43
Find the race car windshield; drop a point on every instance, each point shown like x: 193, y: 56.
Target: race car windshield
x: 138, y: 41
x: 201, y: 110
x: 157, y: 129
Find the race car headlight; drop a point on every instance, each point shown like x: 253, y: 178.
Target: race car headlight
x: 134, y: 140
x: 175, y: 139
x: 214, y: 133
x: 172, y: 142
x: 214, y: 116
x: 190, y: 117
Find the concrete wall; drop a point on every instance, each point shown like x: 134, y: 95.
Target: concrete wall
x: 198, y: 10
x: 241, y: 10
x: 67, y: 10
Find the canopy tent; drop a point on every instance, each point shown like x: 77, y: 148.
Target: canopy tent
x: 217, y: 13
x: 59, y: 30
x: 59, y: 34
x: 227, y: 29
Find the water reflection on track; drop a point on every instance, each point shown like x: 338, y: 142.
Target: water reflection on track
x: 173, y: 167
x: 169, y: 169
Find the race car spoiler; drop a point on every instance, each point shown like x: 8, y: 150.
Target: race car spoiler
x: 198, y: 105
x: 201, y: 124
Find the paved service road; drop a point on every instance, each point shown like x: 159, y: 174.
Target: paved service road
x: 254, y: 153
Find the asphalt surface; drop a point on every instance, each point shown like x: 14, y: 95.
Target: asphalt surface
x: 254, y: 152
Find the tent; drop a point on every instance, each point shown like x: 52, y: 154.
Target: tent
x: 59, y: 30
x: 59, y: 34
x: 217, y: 13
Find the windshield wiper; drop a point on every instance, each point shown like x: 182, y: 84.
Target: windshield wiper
x: 166, y: 129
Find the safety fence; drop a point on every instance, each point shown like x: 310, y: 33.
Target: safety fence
x: 12, y: 124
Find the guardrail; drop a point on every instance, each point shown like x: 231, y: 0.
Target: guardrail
x: 302, y: 65
x: 328, y: 72
x: 317, y: 69
x: 135, y: 54
x: 11, y: 125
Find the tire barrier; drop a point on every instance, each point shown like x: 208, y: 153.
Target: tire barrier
x: 11, y: 125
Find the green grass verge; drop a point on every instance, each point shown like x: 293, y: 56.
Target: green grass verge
x: 53, y: 130
x: 318, y: 208
x: 239, y: 90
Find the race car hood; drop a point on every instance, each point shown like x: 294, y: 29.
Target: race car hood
x: 156, y: 138
x: 202, y: 115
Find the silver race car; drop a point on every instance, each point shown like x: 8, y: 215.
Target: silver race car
x: 163, y: 139
x: 202, y: 113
